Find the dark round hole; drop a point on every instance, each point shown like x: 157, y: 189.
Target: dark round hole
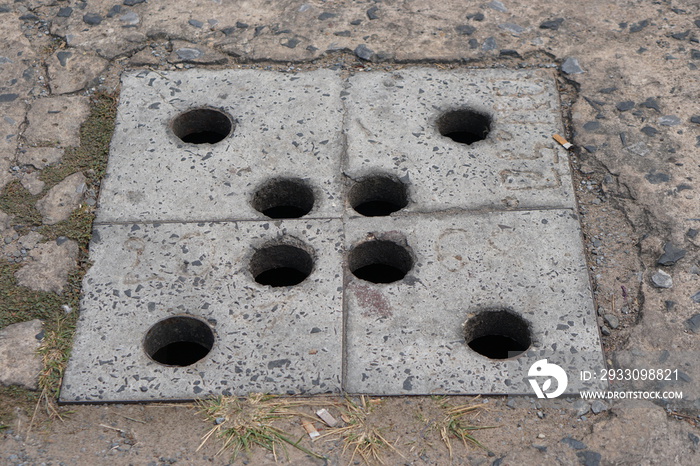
x: 378, y: 196
x: 281, y: 265
x: 179, y: 341
x: 498, y: 334
x: 284, y: 198
x: 464, y: 126
x: 202, y: 126
x: 380, y: 261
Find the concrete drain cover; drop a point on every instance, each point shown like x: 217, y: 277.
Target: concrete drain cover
x: 411, y: 232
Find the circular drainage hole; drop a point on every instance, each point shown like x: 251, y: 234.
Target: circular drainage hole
x: 179, y: 341
x: 284, y: 198
x: 281, y: 265
x: 464, y: 126
x: 498, y: 334
x: 380, y: 261
x: 202, y: 126
x: 378, y: 196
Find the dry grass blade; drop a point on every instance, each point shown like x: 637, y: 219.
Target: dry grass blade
x: 245, y: 423
x: 453, y: 424
x: 364, y: 439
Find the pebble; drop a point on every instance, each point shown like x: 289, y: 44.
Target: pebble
x: 696, y: 296
x: 598, y: 407
x: 476, y: 16
x: 669, y: 120
x: 93, y: 19
x: 130, y: 19
x: 582, y: 407
x: 573, y: 443
x: 325, y: 15
x: 512, y: 28
x: 605, y: 331
x: 651, y: 103
x: 365, y: 53
x: 695, y: 119
x: 589, y: 458
x: 114, y: 11
x: 650, y: 131
x: 465, y: 30
x: 571, y: 66
x: 552, y: 24
x: 133, y: 2
x: 292, y: 43
x: 591, y: 125
x: 671, y: 254
x: 498, y: 6
x: 693, y: 323
x: 188, y: 53
x: 625, y: 106
x: 612, y: 321
x: 511, y: 403
x: 489, y: 44
x: 657, y: 178
x: 636, y: 27
x: 195, y: 23
x: 64, y: 12
x: 372, y: 13
x: 661, y: 279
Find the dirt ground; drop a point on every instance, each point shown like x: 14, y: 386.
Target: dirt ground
x: 629, y: 100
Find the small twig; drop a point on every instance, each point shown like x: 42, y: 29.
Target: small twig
x: 112, y: 428
x: 132, y: 419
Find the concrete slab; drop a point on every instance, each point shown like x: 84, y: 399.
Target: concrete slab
x: 466, y: 176
x: 394, y: 122
x: 408, y: 337
x: 266, y: 339
x: 284, y: 125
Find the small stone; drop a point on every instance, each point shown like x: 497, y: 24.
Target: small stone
x: 657, y: 178
x: 93, y: 19
x: 372, y: 13
x: 582, y: 408
x: 625, y: 106
x: 693, y: 323
x: 612, y: 321
x: 365, y: 53
x: 680, y: 35
x: 19, y: 362
x: 695, y: 119
x: 571, y: 66
x: 291, y: 43
x: 573, y: 443
x: 498, y: 6
x: 241, y: 25
x: 489, y: 44
x: 552, y: 24
x: 650, y: 131
x: 342, y: 33
x: 669, y: 120
x: 608, y: 90
x: 605, y: 331
x: 651, y: 103
x: 591, y: 125
x: 465, y: 30
x: 188, y: 53
x: 589, y: 458
x: 476, y: 17
x: 512, y: 28
x: 511, y: 403
x: 64, y: 12
x: 661, y: 279
x: 671, y: 254
x: 509, y: 53
x: 32, y: 183
x: 195, y: 23
x: 130, y: 19
x: 598, y: 407
x: 325, y: 15
x: 695, y: 54
x: 133, y: 2
x: 356, y: 22
x: 636, y: 27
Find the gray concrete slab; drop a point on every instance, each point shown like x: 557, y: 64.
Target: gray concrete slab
x: 179, y: 222
x: 393, y: 127
x: 267, y: 339
x: 407, y: 337
x: 284, y: 125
